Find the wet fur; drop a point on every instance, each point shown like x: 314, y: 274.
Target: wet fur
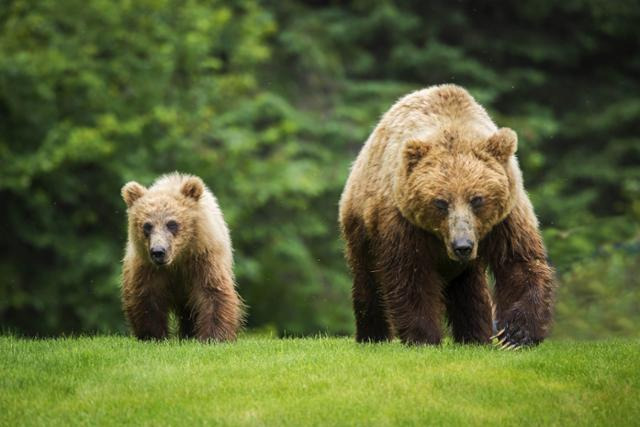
x: 198, y: 285
x: 405, y: 281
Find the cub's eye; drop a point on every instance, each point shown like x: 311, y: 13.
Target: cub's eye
x: 172, y: 226
x: 477, y: 202
x: 146, y: 228
x: 441, y: 204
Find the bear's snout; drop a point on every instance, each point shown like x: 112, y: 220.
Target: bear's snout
x: 462, y: 237
x: 462, y: 248
x: 158, y: 255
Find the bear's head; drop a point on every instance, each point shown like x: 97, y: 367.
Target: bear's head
x: 162, y: 221
x: 457, y: 191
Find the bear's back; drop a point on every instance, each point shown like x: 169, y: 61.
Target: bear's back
x: 446, y: 115
x: 428, y: 113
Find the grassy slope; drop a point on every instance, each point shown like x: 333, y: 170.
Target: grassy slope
x: 115, y: 380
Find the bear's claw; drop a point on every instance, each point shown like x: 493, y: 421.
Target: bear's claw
x: 500, y: 332
x: 511, y: 338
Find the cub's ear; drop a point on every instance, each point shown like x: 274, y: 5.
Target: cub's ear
x: 414, y: 151
x: 131, y: 192
x: 502, y: 144
x: 193, y: 187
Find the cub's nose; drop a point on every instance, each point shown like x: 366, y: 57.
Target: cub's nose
x: 462, y: 248
x: 158, y: 255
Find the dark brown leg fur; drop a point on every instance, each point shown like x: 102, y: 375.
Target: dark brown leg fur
x: 371, y: 322
x: 211, y: 321
x: 147, y: 315
x: 469, y: 306
x: 411, y: 286
x: 145, y: 303
x: 525, y: 289
x: 187, y: 323
x: 217, y: 307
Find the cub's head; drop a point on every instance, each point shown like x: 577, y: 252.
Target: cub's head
x: 458, y: 195
x: 162, y: 221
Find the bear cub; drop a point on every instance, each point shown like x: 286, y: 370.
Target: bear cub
x: 178, y: 258
x: 434, y: 200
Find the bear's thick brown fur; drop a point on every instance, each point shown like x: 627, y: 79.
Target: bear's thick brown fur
x: 178, y: 258
x: 435, y: 198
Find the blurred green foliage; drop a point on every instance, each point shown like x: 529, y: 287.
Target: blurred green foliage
x: 269, y: 102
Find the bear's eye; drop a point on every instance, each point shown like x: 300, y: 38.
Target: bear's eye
x: 441, y: 204
x: 172, y: 226
x: 477, y: 202
x: 146, y: 228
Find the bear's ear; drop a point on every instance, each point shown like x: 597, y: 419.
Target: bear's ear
x: 131, y: 192
x: 502, y: 144
x: 414, y: 151
x: 193, y: 187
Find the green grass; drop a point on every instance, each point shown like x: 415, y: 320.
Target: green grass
x: 323, y: 381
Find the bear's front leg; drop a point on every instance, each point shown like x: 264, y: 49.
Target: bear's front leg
x: 186, y: 319
x: 524, y: 290
x: 469, y: 306
x: 145, y: 304
x: 216, y: 305
x: 412, y: 288
x: 368, y: 308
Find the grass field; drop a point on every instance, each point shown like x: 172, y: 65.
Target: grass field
x: 322, y: 381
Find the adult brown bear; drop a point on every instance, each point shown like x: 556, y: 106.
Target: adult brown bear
x: 435, y: 198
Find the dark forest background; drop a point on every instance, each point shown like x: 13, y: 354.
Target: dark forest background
x: 269, y: 102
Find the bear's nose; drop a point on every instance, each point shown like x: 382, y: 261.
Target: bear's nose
x: 158, y: 254
x: 462, y: 248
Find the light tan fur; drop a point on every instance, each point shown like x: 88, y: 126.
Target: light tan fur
x: 197, y: 281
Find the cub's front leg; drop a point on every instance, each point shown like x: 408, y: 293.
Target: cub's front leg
x: 144, y: 302
x: 217, y: 308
